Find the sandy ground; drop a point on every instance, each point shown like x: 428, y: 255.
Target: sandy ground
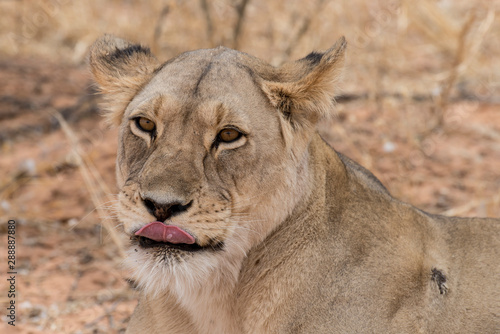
x: 69, y: 278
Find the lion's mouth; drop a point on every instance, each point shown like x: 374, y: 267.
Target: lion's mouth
x: 159, y: 235
x: 146, y: 243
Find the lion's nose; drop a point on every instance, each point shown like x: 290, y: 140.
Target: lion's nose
x: 163, y: 211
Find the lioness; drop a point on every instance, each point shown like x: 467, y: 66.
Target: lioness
x: 243, y: 220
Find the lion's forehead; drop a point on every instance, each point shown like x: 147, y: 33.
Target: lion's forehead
x: 204, y: 73
x: 202, y: 85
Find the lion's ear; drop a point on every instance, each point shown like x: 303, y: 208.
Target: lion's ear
x: 306, y: 88
x: 120, y: 69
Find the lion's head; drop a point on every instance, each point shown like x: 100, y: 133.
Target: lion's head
x: 213, y: 152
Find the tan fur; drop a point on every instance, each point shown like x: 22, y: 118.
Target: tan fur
x: 299, y: 238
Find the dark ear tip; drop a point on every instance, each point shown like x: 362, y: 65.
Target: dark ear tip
x: 107, y: 45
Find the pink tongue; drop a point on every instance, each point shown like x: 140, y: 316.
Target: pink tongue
x: 158, y: 231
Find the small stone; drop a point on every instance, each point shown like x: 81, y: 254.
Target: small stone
x: 389, y: 147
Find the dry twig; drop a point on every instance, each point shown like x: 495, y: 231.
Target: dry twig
x: 240, y: 10
x: 461, y: 210
x: 158, y: 29
x: 93, y: 181
x: 208, y: 21
x: 303, y: 29
x: 460, y: 55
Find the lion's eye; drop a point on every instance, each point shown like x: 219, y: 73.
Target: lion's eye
x: 229, y: 135
x: 145, y: 124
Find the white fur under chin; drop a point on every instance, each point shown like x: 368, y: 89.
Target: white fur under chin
x: 186, y: 276
x: 201, y: 282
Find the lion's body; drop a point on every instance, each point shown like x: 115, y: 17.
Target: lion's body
x: 297, y: 238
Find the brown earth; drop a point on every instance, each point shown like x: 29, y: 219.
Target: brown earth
x: 68, y: 267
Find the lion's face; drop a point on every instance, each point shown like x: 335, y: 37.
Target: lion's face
x: 211, y: 146
x: 211, y: 165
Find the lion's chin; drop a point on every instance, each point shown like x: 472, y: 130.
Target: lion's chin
x: 157, y: 267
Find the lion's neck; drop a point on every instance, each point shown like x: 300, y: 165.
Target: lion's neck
x: 211, y: 310
x: 328, y: 176
x: 210, y: 305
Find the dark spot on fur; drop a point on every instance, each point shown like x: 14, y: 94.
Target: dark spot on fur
x: 440, y: 279
x: 257, y: 262
x: 314, y: 57
x: 224, y: 197
x: 295, y: 326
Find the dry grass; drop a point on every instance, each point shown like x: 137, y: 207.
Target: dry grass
x: 97, y: 188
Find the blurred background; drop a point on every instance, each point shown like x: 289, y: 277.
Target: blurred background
x: 419, y: 106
